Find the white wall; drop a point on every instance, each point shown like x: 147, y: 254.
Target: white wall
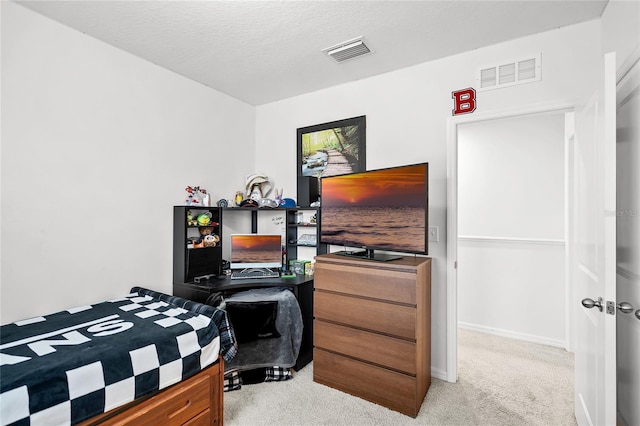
x: 621, y: 29
x: 510, y: 177
x: 407, y: 114
x: 97, y: 146
x: 511, y: 227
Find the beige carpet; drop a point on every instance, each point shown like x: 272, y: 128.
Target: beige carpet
x: 500, y: 382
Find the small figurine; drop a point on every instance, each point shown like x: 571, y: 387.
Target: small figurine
x: 190, y: 220
x: 279, y: 196
x: 258, y: 186
x: 255, y: 194
x: 197, y: 196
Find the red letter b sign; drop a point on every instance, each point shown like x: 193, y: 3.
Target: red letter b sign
x: 464, y: 101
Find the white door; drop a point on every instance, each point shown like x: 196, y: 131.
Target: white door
x: 628, y: 240
x: 595, y: 254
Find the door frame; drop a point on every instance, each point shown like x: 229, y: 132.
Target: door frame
x: 452, y: 217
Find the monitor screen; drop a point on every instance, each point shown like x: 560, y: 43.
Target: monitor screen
x: 256, y: 251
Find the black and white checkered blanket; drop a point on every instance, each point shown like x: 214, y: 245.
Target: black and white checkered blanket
x: 69, y: 366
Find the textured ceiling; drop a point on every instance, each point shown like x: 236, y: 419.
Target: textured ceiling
x: 263, y: 51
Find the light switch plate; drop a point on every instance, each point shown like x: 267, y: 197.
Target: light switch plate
x: 434, y: 234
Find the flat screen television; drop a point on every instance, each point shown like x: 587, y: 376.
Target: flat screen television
x: 385, y: 209
x: 256, y: 251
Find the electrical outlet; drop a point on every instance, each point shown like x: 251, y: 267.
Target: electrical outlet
x: 434, y: 234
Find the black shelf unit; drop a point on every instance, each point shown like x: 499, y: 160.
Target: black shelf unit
x: 189, y: 263
x: 296, y: 228
x: 301, y: 285
x: 293, y: 229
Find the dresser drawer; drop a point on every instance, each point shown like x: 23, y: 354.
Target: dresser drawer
x: 375, y: 282
x: 386, y: 318
x: 394, y: 390
x: 383, y: 350
x: 202, y: 419
x: 173, y: 408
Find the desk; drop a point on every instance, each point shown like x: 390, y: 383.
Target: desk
x: 301, y: 286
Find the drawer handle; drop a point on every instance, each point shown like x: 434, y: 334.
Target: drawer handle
x: 180, y: 410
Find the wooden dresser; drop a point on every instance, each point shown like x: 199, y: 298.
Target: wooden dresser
x: 372, y: 329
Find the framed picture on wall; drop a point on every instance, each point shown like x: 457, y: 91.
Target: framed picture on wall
x: 333, y: 148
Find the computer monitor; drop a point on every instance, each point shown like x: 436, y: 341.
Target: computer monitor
x: 256, y: 251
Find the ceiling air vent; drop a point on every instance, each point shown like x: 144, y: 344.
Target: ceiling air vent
x: 347, y: 50
x: 507, y: 74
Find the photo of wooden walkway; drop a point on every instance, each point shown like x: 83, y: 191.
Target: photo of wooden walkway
x: 337, y: 164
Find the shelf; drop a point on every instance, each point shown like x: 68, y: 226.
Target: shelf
x: 270, y: 208
x: 188, y: 261
x: 204, y: 248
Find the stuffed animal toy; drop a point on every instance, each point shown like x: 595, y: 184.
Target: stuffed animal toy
x: 207, y: 230
x: 211, y: 240
x: 204, y: 219
x: 190, y: 220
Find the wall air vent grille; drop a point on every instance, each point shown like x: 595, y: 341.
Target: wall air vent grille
x: 526, y: 70
x: 347, y: 50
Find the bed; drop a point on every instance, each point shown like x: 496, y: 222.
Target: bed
x: 146, y: 358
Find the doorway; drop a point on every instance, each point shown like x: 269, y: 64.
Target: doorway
x: 506, y: 227
x: 511, y: 227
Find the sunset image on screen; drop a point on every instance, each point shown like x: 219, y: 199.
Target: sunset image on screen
x: 256, y: 248
x: 400, y: 186
x: 382, y: 209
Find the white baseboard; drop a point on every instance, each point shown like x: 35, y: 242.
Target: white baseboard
x: 439, y: 374
x: 513, y: 334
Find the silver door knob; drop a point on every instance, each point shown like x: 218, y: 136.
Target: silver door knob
x: 590, y: 303
x: 625, y: 307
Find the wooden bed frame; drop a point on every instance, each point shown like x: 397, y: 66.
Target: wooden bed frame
x: 194, y: 402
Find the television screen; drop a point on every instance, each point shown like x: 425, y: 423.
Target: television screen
x: 385, y: 209
x: 256, y: 251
